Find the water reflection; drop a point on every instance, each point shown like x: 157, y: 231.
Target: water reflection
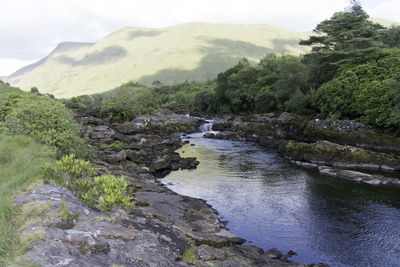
x: 274, y: 204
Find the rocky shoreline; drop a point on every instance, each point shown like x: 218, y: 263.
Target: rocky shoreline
x: 162, y: 229
x: 342, y: 149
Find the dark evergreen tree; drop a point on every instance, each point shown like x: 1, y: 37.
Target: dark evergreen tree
x: 346, y: 38
x: 391, y: 36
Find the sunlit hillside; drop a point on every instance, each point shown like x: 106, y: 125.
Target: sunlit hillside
x: 192, y: 51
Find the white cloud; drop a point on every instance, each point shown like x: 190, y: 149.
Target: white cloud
x: 12, y: 64
x: 31, y: 29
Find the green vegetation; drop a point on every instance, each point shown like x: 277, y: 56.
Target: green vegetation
x: 351, y: 73
x: 71, y: 168
x: 122, y: 104
x: 189, y: 255
x: 111, y: 192
x: 21, y: 164
x: 42, y: 118
x: 346, y: 38
x: 105, y: 192
x: 369, y: 91
x: 65, y: 212
x: 25, y: 121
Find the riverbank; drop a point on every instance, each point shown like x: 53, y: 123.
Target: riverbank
x: 163, y: 229
x: 342, y: 149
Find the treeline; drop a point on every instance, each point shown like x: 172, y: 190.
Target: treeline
x: 352, y: 72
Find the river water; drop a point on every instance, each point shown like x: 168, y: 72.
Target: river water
x: 272, y: 203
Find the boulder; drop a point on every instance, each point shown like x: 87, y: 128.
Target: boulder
x: 274, y: 253
x: 131, y: 127
x: 115, y: 157
x: 160, y: 164
x: 188, y: 163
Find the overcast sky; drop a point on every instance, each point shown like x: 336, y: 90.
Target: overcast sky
x: 29, y: 30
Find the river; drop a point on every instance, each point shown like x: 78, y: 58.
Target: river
x: 272, y: 203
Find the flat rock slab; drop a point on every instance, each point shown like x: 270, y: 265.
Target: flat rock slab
x: 155, y: 234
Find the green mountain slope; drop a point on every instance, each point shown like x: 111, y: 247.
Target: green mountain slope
x: 192, y: 51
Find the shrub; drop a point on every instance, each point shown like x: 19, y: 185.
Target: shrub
x: 266, y: 101
x: 369, y: 91
x: 299, y: 103
x: 44, y: 119
x: 111, y: 192
x: 34, y: 90
x: 72, y: 168
x: 105, y: 192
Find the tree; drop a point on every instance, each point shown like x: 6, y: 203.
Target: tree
x: 369, y: 91
x: 346, y: 38
x: 391, y: 36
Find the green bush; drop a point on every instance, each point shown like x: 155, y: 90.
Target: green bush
x: 111, y: 192
x: 299, y: 103
x: 71, y: 168
x: 44, y: 119
x: 266, y: 101
x: 121, y: 104
x: 104, y: 192
x: 369, y: 91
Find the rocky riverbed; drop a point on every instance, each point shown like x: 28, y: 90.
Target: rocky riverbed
x: 162, y: 229
x: 343, y: 149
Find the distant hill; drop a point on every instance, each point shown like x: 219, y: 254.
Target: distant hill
x: 384, y: 22
x: 192, y: 51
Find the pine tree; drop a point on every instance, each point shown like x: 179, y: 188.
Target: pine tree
x: 346, y: 38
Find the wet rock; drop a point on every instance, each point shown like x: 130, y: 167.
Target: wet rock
x: 344, y: 156
x: 161, y: 164
x: 220, y: 125
x: 273, y: 253
x: 209, y: 135
x: 356, y: 176
x: 188, y: 163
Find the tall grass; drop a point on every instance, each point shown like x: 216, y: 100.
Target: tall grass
x: 21, y: 162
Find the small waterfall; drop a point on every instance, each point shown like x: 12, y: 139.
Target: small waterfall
x: 206, y: 127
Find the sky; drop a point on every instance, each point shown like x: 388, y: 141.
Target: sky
x: 30, y: 30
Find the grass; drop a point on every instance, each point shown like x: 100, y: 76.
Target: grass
x: 189, y: 255
x: 21, y: 163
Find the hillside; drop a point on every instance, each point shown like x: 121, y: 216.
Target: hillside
x: 192, y: 51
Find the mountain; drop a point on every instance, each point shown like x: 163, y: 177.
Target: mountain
x: 385, y: 22
x: 3, y: 77
x: 191, y: 51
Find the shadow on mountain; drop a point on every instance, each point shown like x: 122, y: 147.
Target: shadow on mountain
x: 107, y: 55
x: 237, y: 48
x: 136, y: 34
x: 219, y: 56
x: 66, y: 60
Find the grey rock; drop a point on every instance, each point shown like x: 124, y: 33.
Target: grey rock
x: 274, y: 253
x: 115, y: 157
x: 101, y: 132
